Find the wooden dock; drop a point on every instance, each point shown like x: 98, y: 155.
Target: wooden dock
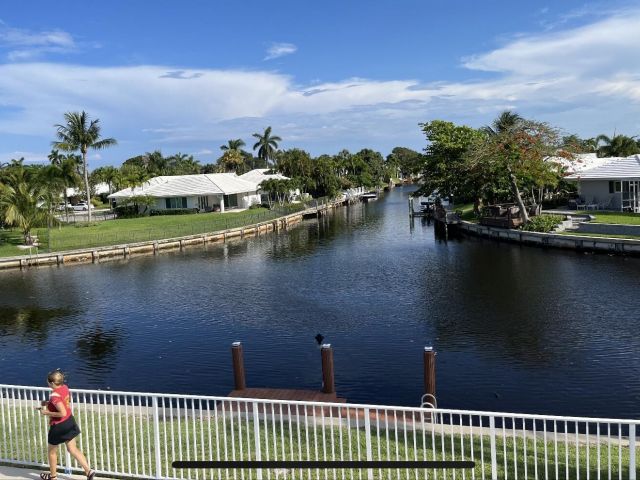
x: 287, y: 394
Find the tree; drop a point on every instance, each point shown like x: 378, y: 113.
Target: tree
x: 80, y: 134
x: 236, y: 145
x: 22, y: 196
x: 109, y: 175
x: 514, y: 150
x: 404, y: 162
x: 62, y: 173
x: 231, y: 160
x: 296, y: 164
x: 616, y: 146
x: 444, y: 168
x: 267, y: 145
x: 183, y: 164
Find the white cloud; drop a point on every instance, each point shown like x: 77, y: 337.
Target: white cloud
x: 25, y: 45
x: 277, y: 50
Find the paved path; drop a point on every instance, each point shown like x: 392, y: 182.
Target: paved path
x: 31, y: 474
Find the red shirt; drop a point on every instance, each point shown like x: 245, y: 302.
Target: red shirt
x: 63, y: 397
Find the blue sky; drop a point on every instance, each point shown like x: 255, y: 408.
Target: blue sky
x: 186, y: 76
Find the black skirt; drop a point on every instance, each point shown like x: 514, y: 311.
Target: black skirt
x: 63, y: 432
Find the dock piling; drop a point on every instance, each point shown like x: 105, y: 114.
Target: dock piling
x: 238, y: 366
x: 429, y: 371
x: 328, y: 383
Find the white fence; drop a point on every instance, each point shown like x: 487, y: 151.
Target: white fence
x: 138, y: 435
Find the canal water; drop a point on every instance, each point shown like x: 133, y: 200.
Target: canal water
x: 516, y: 329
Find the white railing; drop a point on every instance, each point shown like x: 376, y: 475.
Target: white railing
x: 138, y: 435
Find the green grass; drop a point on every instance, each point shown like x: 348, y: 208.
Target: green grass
x: 467, y: 212
x: 121, y: 231
x: 600, y: 235
x: 613, y: 217
x: 211, y: 437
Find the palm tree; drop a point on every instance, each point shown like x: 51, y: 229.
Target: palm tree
x: 616, y: 146
x: 21, y: 197
x: 63, y: 172
x: 506, y: 121
x: 236, y: 144
x: 81, y: 134
x: 266, y: 145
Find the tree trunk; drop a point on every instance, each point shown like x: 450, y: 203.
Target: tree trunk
x: 86, y: 184
x: 66, y: 204
x: 516, y: 192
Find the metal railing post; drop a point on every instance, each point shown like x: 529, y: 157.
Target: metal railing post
x: 156, y: 436
x: 632, y: 452
x: 494, y: 460
x: 256, y: 434
x: 367, y: 431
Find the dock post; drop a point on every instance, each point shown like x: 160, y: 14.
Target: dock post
x: 328, y: 383
x: 238, y: 366
x: 429, y: 371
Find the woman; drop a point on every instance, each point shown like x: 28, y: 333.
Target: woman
x: 63, y: 427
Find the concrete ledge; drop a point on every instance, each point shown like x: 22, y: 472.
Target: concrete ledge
x: 608, y: 228
x: 573, y: 242
x: 96, y: 254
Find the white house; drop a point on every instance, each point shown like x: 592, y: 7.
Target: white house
x: 580, y: 162
x: 259, y: 175
x: 205, y: 192
x: 615, y: 185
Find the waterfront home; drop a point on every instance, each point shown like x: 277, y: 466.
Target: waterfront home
x: 615, y: 185
x: 580, y: 162
x: 204, y: 192
x: 259, y: 175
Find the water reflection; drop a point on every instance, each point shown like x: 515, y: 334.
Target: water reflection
x: 32, y: 325
x: 98, y: 347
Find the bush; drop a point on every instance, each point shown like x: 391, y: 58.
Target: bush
x: 543, y: 223
x: 255, y: 206
x: 173, y: 211
x: 126, y: 211
x: 96, y: 203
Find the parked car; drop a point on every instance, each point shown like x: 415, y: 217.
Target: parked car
x: 82, y: 207
x: 62, y: 207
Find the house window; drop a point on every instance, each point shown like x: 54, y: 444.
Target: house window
x: 615, y: 187
x: 231, y: 201
x: 176, y: 202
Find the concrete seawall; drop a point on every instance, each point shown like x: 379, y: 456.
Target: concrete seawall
x: 151, y: 247
x: 573, y: 242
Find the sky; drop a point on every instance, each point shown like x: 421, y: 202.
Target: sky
x: 186, y: 76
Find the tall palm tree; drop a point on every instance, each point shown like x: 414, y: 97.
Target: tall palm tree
x: 616, y: 146
x: 81, y: 134
x: 267, y: 145
x: 236, y: 144
x: 63, y: 173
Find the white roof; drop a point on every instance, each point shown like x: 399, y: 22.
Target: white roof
x: 259, y: 175
x: 189, y: 185
x: 581, y: 162
x: 618, y: 168
x: 99, y: 189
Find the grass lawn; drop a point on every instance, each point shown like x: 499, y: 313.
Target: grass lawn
x: 120, y: 231
x: 613, y: 217
x: 467, y: 211
x: 604, y: 235
x: 125, y: 443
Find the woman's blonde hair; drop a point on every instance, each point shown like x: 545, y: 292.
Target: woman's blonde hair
x: 56, y: 377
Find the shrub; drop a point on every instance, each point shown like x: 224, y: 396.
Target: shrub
x: 174, y: 211
x: 542, y: 223
x: 96, y: 202
x: 255, y: 206
x: 126, y: 211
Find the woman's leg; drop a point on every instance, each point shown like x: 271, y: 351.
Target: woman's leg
x: 52, y: 453
x: 77, y: 454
